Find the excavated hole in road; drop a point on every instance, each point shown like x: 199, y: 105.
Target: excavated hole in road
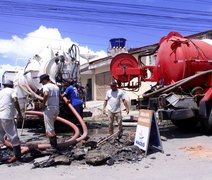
x: 112, y: 151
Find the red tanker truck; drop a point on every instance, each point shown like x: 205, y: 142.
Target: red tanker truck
x: 183, y: 76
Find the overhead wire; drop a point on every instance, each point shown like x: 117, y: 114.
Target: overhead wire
x: 105, y: 13
x: 80, y: 13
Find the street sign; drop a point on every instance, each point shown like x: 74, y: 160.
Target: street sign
x: 147, y: 132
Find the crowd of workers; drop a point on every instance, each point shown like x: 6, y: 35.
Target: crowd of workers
x: 9, y: 106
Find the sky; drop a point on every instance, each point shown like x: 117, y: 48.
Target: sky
x: 27, y: 26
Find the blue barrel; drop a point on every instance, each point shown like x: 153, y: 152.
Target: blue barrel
x: 117, y: 42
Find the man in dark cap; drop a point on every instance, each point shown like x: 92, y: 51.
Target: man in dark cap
x: 8, y: 106
x: 50, y: 106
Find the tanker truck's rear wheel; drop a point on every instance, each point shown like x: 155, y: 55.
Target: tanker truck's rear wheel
x: 207, y: 123
x: 186, y: 123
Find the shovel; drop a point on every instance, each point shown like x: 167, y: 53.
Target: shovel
x: 94, y: 144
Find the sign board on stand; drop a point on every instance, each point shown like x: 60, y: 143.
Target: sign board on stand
x: 147, y: 132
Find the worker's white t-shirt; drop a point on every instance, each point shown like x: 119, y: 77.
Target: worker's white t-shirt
x: 54, y: 94
x: 7, y: 107
x: 114, y: 99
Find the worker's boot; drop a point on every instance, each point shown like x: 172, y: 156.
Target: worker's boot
x: 120, y: 133
x: 110, y: 128
x: 17, y: 152
x: 1, y: 157
x: 53, y: 142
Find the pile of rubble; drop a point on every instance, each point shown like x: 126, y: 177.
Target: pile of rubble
x: 106, y: 151
x: 95, y: 151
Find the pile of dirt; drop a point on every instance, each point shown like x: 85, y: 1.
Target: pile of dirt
x: 111, y: 151
x: 198, y: 151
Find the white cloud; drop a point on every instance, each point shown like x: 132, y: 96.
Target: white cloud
x: 17, y: 51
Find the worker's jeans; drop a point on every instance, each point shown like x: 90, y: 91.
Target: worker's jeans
x: 8, y: 128
x: 114, y: 117
x: 50, y: 114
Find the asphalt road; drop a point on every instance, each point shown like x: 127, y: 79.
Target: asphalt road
x: 187, y: 156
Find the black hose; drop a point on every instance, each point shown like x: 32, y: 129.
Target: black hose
x: 177, y: 84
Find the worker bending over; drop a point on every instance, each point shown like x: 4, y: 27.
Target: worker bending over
x: 73, y: 96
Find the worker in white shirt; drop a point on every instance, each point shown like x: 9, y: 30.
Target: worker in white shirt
x: 8, y: 106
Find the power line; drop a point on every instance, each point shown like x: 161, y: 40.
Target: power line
x: 114, y: 14
x: 79, y: 13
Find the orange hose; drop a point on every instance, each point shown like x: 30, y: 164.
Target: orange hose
x: 64, y: 144
x: 28, y: 147
x: 72, y: 140
x: 84, y: 127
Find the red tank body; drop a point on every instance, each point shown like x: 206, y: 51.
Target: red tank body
x: 178, y: 58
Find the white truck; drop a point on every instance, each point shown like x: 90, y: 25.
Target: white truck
x: 61, y: 67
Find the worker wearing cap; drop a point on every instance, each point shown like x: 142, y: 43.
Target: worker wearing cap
x: 50, y: 106
x: 8, y: 106
x: 113, y: 99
